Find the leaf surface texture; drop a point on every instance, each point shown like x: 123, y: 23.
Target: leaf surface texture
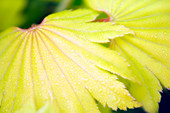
x: 148, y: 50
x: 56, y: 62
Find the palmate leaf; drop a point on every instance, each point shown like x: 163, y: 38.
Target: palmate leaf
x: 147, y: 51
x: 56, y: 62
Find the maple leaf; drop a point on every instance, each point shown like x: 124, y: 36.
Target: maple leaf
x: 56, y: 62
x: 148, y: 50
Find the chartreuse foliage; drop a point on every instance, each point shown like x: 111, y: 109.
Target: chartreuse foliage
x: 30, y: 107
x: 56, y: 62
x: 148, y: 50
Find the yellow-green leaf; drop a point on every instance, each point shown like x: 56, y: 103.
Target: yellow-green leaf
x: 148, y: 50
x: 55, y: 62
x: 30, y: 107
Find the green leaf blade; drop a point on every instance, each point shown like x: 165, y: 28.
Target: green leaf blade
x: 148, y: 49
x: 48, y: 64
x: 148, y: 91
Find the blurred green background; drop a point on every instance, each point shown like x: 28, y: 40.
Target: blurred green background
x: 24, y: 13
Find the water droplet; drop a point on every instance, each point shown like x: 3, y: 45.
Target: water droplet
x: 100, y: 90
x: 42, y: 82
x: 103, y: 82
x: 164, y: 32
x: 85, y: 79
x: 156, y: 35
x: 57, y: 84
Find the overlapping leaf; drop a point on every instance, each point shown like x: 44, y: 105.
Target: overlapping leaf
x: 54, y: 62
x: 148, y: 51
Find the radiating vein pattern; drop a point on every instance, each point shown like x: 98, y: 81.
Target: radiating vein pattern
x: 148, y: 50
x: 56, y: 62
